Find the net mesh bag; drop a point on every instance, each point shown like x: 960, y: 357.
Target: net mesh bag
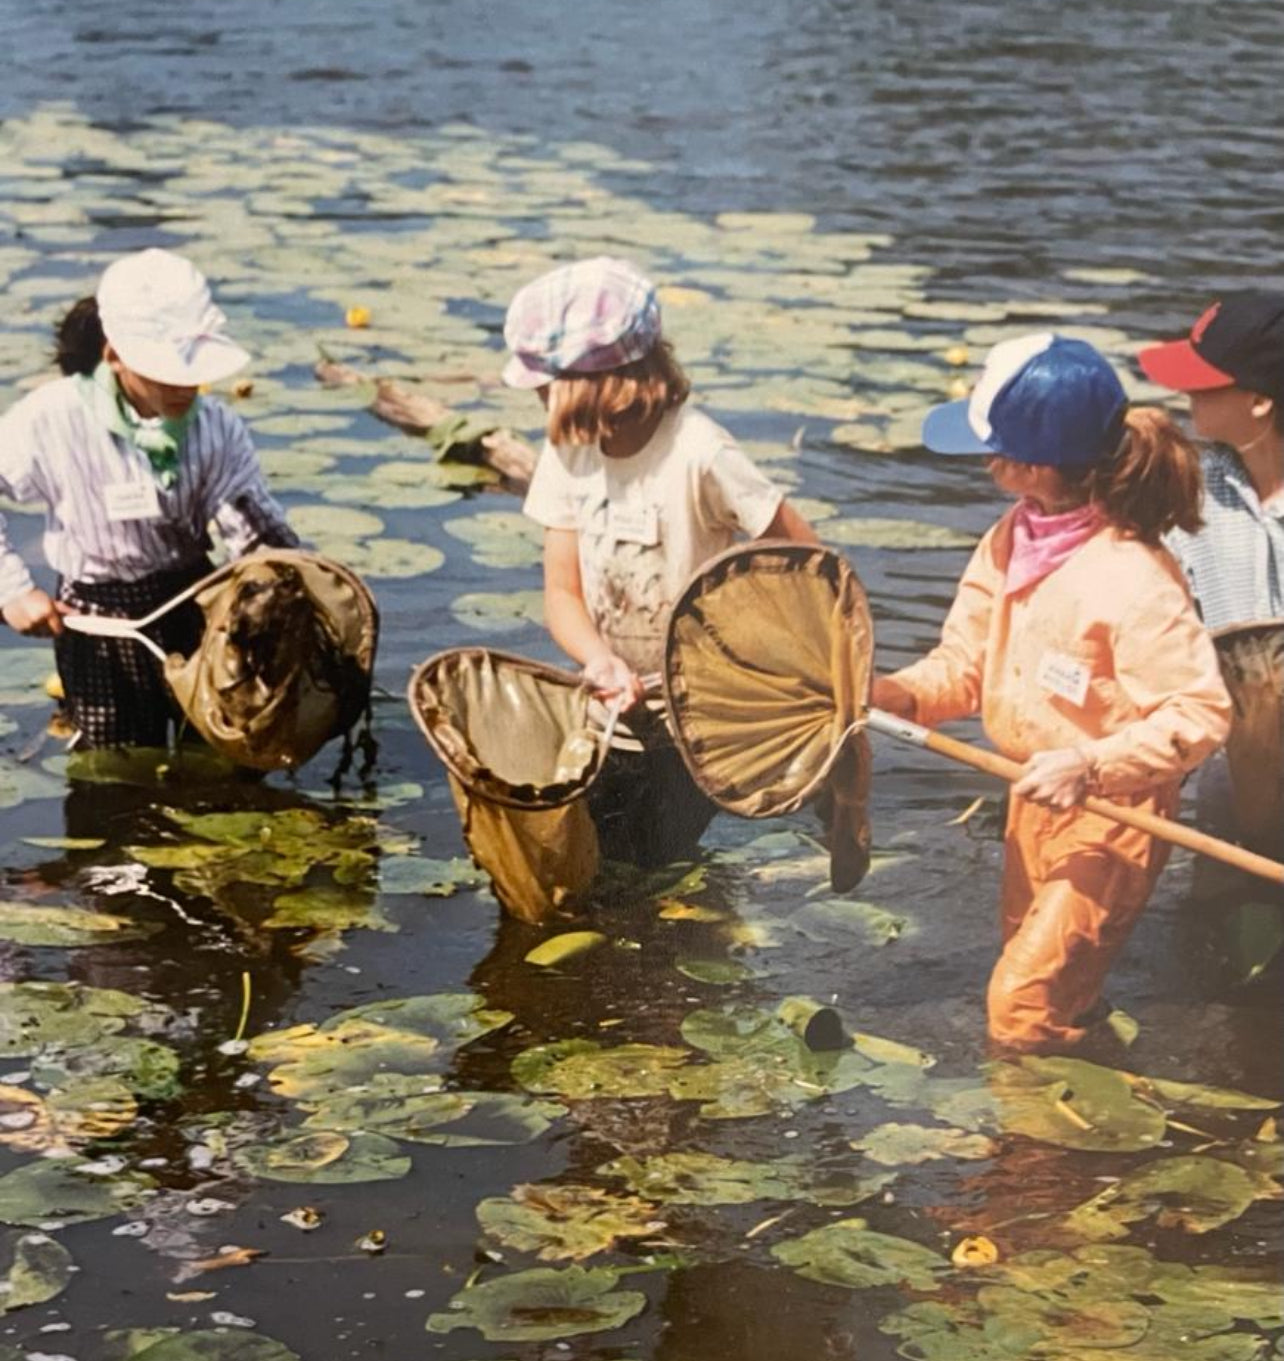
x: 1252, y: 662
x: 768, y: 662
x: 520, y: 751
x: 285, y: 659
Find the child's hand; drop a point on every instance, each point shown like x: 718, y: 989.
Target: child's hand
x: 611, y: 676
x: 36, y: 613
x: 1055, y: 779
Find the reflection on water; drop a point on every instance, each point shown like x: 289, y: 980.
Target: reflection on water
x: 968, y: 168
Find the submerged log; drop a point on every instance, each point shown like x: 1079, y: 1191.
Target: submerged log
x: 416, y: 412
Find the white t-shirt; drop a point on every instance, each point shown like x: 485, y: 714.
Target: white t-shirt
x: 645, y: 523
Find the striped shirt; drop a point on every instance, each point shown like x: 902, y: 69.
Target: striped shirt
x: 1235, y: 563
x: 53, y: 449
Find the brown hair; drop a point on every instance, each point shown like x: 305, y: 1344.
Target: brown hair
x: 79, y: 339
x: 587, y: 408
x: 1151, y: 483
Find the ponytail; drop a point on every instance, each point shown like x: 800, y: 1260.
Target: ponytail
x: 79, y: 339
x: 1151, y: 483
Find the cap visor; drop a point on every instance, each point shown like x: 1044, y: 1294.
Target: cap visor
x: 520, y: 373
x: 210, y: 360
x: 1176, y: 365
x: 947, y: 430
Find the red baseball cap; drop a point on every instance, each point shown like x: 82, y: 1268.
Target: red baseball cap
x: 1238, y: 342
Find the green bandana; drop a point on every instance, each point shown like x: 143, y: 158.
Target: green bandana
x: 159, y: 437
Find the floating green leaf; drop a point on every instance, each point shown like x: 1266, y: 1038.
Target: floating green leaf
x: 541, y: 1305
x: 328, y: 908
x: 231, y: 1344
x: 897, y: 1145
x: 500, y: 538
x: 693, y: 1178
x: 54, y: 1190
x: 33, y: 1269
x: 560, y: 948
x: 1197, y: 1194
x: 580, y: 1069
x: 419, y: 875
x: 39, y: 1016
x: 1025, y: 1325
x: 566, y: 1223
x: 500, y: 612
x: 29, y: 924
x: 873, y: 532
x: 326, y: 1157
x: 852, y: 1254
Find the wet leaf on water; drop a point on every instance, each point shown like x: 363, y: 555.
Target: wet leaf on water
x: 33, y: 1269
x: 68, y: 927
x: 324, y: 1157
x: 1074, y: 1104
x: 693, y: 1178
x: 19, y: 783
x: 671, y: 909
x: 717, y: 972
x: 1195, y: 1193
x: 581, y: 1069
x: 566, y: 1223
x: 1200, y: 1095
x: 842, y: 921
x: 320, y: 524
x: 499, y: 612
x: 384, y: 557
x: 146, y: 1067
x: 541, y: 1305
x: 39, y: 1016
x: 850, y: 1253
x: 233, y: 1344
x: 416, y: 1108
x: 500, y: 538
x: 560, y: 948
x: 54, y: 1190
x: 421, y: 876
x: 328, y: 908
x: 66, y: 843
x: 875, y: 532
x: 896, y: 1145
x: 1254, y: 935
x: 1028, y: 1326
x: 146, y: 767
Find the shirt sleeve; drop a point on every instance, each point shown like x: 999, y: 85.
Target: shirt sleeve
x: 1165, y: 662
x: 946, y: 684
x: 238, y: 502
x: 18, y: 481
x: 550, y: 501
x: 735, y: 493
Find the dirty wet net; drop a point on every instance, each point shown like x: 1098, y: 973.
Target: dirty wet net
x: 258, y: 1034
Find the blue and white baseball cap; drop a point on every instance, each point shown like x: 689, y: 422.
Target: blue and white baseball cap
x: 1040, y: 399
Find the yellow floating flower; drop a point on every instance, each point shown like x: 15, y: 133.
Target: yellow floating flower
x: 357, y: 317
x: 958, y: 355
x: 53, y: 686
x: 958, y: 389
x: 971, y: 1252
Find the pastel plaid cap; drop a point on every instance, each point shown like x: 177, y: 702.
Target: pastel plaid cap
x: 587, y: 317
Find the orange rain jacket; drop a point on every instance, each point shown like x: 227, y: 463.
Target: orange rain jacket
x: 1105, y: 654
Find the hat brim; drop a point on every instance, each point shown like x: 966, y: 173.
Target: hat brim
x: 947, y: 430
x: 524, y: 373
x: 1177, y: 365
x: 208, y: 360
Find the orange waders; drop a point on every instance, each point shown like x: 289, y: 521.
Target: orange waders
x: 1073, y: 886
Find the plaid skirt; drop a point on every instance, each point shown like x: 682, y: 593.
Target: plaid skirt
x: 115, y: 691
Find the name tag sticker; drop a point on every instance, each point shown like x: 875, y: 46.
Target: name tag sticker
x: 634, y: 524
x: 1064, y: 677
x: 131, y: 501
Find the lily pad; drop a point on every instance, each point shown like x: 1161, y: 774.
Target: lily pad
x: 692, y: 1178
x: 328, y: 908
x: 897, y: 1145
x: 54, y: 1190
x: 541, y: 1305
x: 581, y: 1069
x: 1025, y: 1325
x: 39, y: 1016
x: 419, y: 875
x: 1197, y: 1194
x: 566, y: 1223
x: 500, y: 538
x: 325, y: 1157
x: 33, y: 1269
x: 875, y: 532
x: 499, y: 612
x: 30, y: 924
x: 230, y: 1344
x: 851, y: 1254
x: 146, y: 1067
x: 1074, y: 1104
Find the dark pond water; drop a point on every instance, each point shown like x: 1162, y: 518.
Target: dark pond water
x: 1101, y: 166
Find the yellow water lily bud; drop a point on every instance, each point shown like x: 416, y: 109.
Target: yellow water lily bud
x: 243, y: 387
x: 357, y: 317
x: 53, y: 686
x: 305, y: 1217
x: 958, y: 389
x: 970, y: 1252
x: 958, y: 355
x: 374, y: 1242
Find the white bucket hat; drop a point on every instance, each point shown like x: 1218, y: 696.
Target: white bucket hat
x: 157, y: 314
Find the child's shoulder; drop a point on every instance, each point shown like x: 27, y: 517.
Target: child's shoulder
x: 53, y: 397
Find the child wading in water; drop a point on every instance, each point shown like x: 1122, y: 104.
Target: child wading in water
x: 635, y: 490
x: 1074, y: 636
x: 133, y: 466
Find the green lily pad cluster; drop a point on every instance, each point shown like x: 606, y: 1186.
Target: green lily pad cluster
x: 694, y: 1178
x: 372, y: 1075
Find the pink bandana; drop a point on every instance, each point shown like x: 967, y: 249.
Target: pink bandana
x: 1041, y: 543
